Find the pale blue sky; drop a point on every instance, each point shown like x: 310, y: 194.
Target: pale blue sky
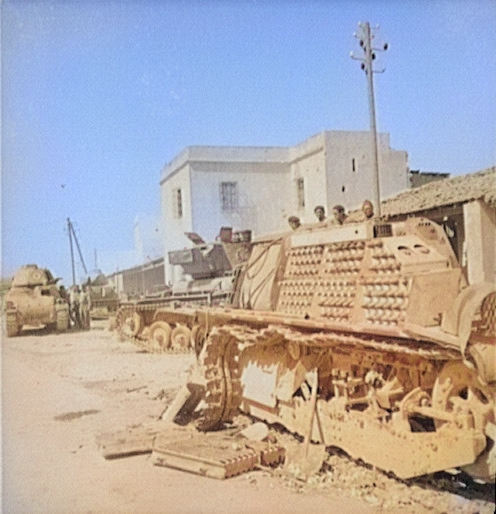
x: 97, y: 96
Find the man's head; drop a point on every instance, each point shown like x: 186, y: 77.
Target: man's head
x: 294, y: 222
x: 368, y: 209
x: 338, y: 213
x: 320, y: 212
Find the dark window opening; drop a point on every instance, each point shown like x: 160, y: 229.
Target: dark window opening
x: 177, y: 203
x: 300, y: 191
x: 229, y: 196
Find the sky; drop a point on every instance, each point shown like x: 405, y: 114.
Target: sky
x: 98, y: 96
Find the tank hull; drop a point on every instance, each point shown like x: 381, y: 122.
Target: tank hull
x: 366, y: 338
x: 34, y: 300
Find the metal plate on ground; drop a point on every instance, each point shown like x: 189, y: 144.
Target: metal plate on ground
x: 206, y: 455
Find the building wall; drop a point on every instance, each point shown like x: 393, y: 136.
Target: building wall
x: 350, y: 170
x: 480, y: 242
x: 257, y: 207
x: 272, y: 183
x: 176, y: 225
x: 200, y: 171
x: 308, y: 164
x: 140, y: 280
x: 418, y: 178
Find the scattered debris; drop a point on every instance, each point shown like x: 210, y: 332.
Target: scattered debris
x: 257, y: 432
x: 69, y: 416
x: 135, y: 440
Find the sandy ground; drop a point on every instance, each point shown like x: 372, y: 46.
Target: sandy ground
x: 60, y: 392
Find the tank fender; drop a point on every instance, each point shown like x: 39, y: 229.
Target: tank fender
x: 458, y: 319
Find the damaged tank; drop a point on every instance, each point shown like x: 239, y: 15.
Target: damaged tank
x: 364, y: 337
x: 208, y: 273
x: 34, y: 300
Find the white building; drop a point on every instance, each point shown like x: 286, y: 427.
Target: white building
x: 258, y: 188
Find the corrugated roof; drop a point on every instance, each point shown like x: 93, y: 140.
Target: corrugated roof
x: 474, y: 186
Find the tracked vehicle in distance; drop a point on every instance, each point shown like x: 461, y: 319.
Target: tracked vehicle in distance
x: 34, y: 300
x: 365, y: 337
x: 209, y: 270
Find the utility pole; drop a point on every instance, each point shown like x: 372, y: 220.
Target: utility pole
x: 365, y: 37
x: 71, y: 235
x: 72, y: 251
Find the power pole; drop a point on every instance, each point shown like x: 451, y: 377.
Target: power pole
x: 365, y: 37
x: 71, y: 235
x: 72, y: 251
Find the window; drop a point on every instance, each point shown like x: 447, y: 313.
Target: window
x: 229, y: 196
x: 177, y: 203
x: 300, y: 192
x: 353, y: 166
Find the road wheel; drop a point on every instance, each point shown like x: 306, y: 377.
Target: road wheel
x: 159, y: 336
x: 129, y: 323
x: 458, y: 389
x: 198, y: 336
x: 181, y: 337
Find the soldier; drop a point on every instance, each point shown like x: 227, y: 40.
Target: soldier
x: 74, y: 306
x: 294, y: 222
x: 63, y: 293
x: 366, y: 213
x: 368, y: 209
x: 339, y: 214
x: 84, y: 308
x: 320, y: 213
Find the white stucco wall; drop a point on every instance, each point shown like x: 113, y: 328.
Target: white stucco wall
x: 350, y: 171
x: 263, y: 187
x: 262, y: 195
x: 267, y: 183
x: 174, y: 227
x: 308, y: 162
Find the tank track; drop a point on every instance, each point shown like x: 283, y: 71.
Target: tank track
x: 225, y: 344
x: 138, y: 335
x: 221, y: 371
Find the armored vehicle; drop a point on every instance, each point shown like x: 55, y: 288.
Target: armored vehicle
x: 208, y: 272
x: 103, y: 298
x: 34, y: 299
x: 364, y: 337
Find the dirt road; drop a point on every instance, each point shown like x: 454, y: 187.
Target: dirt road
x: 59, y: 392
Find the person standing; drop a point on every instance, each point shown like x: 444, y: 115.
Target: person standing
x: 74, y: 306
x: 368, y: 209
x: 364, y: 214
x: 294, y: 222
x: 339, y: 214
x: 85, y: 307
x: 319, y: 211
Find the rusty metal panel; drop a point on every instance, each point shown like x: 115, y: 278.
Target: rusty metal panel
x: 431, y: 295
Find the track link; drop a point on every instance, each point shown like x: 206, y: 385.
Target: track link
x: 222, y: 375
